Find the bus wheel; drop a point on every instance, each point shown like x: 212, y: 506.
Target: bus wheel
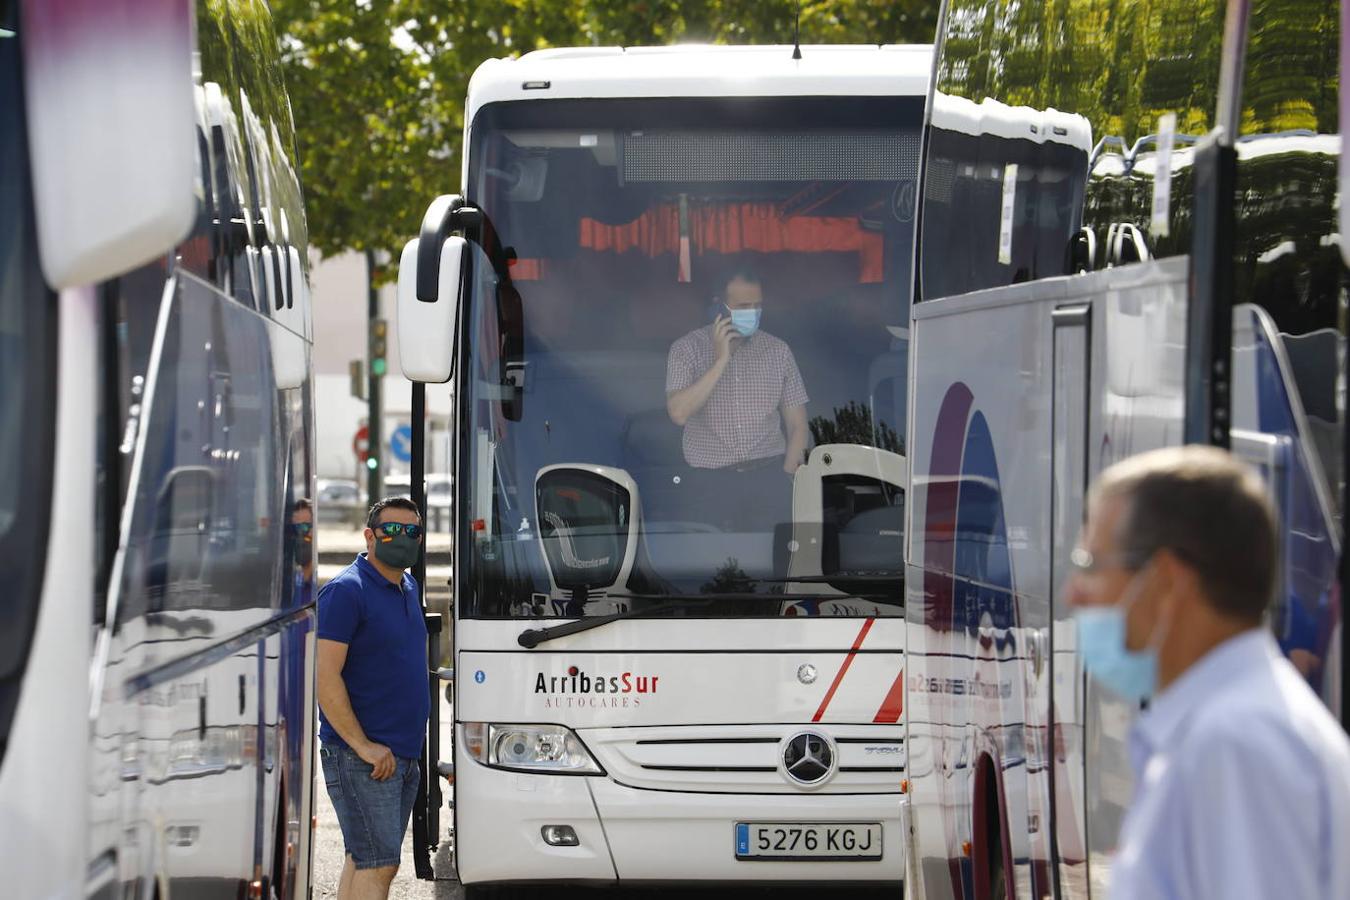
x: 991, y: 875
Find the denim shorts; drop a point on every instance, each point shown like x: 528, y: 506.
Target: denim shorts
x: 373, y: 814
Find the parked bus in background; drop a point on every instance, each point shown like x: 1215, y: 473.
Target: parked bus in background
x: 1182, y: 281
x: 658, y: 679
x: 156, y: 701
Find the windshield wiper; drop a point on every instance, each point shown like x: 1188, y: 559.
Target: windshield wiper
x: 533, y: 637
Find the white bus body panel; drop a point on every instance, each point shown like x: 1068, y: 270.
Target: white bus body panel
x: 986, y: 376
x: 44, y: 808
x: 838, y: 70
x: 979, y: 645
x: 690, y: 744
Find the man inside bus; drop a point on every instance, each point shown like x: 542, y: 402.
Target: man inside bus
x: 373, y: 701
x: 735, y: 389
x: 1242, y: 775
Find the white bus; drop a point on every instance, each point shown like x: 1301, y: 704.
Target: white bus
x: 1130, y: 240
x: 657, y: 681
x: 156, y: 701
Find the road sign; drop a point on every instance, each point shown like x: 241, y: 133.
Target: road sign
x: 361, y: 443
x: 401, y: 443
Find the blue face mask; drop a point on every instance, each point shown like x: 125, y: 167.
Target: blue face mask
x: 746, y: 321
x: 1133, y: 675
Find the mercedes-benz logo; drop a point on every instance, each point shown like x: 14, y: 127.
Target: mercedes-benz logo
x: 808, y: 757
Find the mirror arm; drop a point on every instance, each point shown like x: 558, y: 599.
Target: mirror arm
x: 449, y: 213
x: 436, y: 227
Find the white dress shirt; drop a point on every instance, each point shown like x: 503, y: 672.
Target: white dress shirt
x: 1242, y: 786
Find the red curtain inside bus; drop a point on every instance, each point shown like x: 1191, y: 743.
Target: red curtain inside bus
x: 726, y: 229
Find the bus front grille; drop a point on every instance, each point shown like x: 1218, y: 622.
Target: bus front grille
x: 747, y: 759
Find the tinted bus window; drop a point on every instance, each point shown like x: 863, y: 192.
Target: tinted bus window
x: 1074, y: 106
x: 206, y: 528
x: 1287, y: 246
x: 630, y: 223
x: 27, y: 382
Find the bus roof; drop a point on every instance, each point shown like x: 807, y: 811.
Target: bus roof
x: 703, y: 70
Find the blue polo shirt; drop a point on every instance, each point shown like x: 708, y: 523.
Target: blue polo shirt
x: 386, y: 669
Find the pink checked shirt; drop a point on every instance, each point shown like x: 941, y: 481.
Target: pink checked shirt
x: 743, y: 419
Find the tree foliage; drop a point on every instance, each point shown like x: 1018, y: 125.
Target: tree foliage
x: 852, y: 424
x: 377, y: 86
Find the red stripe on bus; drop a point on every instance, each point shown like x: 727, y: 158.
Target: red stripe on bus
x: 894, y: 704
x: 839, y: 676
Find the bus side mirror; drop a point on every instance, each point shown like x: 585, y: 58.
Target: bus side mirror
x: 426, y: 328
x: 111, y: 133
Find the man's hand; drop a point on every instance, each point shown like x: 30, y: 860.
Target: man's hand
x: 381, y: 758
x: 725, y: 337
x: 791, y: 462
x: 684, y: 403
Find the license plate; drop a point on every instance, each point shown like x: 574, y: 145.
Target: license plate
x: 797, y: 840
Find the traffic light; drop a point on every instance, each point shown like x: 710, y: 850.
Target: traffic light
x: 372, y: 463
x: 378, y: 331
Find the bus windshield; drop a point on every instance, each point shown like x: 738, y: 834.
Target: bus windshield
x: 612, y: 454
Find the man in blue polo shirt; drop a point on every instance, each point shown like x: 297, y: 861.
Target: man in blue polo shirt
x: 373, y: 697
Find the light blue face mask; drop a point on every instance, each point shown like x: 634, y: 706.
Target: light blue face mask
x: 1133, y: 675
x: 746, y: 321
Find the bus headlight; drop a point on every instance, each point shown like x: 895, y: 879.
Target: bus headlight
x: 533, y: 748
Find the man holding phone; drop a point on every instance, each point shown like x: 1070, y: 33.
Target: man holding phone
x: 737, y: 393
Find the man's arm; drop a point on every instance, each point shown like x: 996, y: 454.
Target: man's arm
x: 794, y: 419
x: 684, y: 403
x: 1244, y: 836
x: 793, y: 404
x: 337, y: 707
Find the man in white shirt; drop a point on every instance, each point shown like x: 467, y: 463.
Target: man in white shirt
x: 1242, y: 776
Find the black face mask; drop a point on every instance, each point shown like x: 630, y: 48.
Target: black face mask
x: 398, y: 552
x: 304, y: 553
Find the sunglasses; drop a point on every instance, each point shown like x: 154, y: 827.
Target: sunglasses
x: 394, y: 529
x: 301, y: 529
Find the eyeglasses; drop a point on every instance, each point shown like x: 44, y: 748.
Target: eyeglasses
x: 301, y: 529
x: 394, y: 529
x: 1083, y: 562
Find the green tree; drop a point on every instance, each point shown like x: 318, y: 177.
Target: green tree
x: 729, y: 578
x: 377, y: 86
x: 852, y: 424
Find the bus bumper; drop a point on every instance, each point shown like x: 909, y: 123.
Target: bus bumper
x: 669, y: 836
x: 632, y: 835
